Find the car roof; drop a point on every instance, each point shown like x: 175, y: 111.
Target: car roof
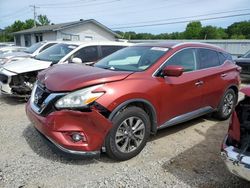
x: 113, y: 43
x: 173, y: 44
x: 87, y: 43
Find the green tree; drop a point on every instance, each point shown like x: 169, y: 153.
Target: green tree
x: 239, y: 29
x: 193, y: 30
x: 28, y: 24
x: 43, y: 20
x: 222, y: 33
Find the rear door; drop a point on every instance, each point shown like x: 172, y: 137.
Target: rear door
x: 86, y: 54
x: 214, y: 76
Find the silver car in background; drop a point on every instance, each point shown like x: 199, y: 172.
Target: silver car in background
x: 32, y: 51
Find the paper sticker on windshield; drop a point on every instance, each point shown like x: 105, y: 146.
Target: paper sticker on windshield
x: 72, y: 47
x: 159, y: 49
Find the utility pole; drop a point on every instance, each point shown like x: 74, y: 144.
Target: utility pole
x: 35, y: 14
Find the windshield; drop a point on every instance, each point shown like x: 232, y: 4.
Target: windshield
x: 33, y: 48
x: 247, y: 55
x: 137, y: 58
x: 56, y: 52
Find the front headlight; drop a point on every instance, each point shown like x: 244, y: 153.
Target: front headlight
x: 79, y: 98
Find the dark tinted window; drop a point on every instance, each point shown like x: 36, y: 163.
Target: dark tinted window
x: 208, y: 58
x: 87, y: 54
x: 185, y: 58
x: 47, y: 46
x: 107, y: 50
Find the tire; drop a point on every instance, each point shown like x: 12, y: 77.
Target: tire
x: 123, y: 142
x: 226, y: 105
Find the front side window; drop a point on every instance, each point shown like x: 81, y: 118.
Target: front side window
x: 136, y: 58
x: 55, y: 53
x: 87, y: 54
x: 185, y: 58
x: 208, y: 58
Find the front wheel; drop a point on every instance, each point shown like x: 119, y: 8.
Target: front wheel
x: 129, y: 134
x: 226, y: 105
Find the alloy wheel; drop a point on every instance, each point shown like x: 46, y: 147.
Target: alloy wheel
x: 130, y: 134
x: 228, y: 104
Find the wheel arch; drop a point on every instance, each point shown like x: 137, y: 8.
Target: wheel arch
x: 142, y: 103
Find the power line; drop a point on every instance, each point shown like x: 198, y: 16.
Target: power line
x: 184, y: 21
x: 14, y: 13
x: 177, y: 18
x: 79, y: 5
x: 61, y: 3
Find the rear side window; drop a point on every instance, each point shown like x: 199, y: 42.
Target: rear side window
x: 87, y: 54
x: 185, y: 58
x: 107, y: 50
x: 208, y: 58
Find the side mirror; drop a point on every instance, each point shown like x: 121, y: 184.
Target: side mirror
x: 76, y: 60
x: 172, y: 70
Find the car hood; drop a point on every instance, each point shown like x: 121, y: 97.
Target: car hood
x: 69, y: 77
x: 26, y: 65
x: 246, y: 91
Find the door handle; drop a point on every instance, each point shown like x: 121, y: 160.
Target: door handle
x: 223, y: 75
x: 199, y: 83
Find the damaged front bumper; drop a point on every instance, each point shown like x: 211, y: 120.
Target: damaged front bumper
x: 59, y: 126
x: 238, y: 164
x: 5, y: 79
x: 8, y: 86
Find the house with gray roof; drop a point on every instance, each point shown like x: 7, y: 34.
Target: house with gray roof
x: 81, y: 30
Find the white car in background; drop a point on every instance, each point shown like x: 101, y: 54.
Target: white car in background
x: 11, y: 49
x: 17, y: 78
x: 32, y: 51
x: 5, y: 44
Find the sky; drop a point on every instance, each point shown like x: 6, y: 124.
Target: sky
x: 166, y: 16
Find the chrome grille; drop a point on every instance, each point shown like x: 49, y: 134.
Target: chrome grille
x: 42, y: 100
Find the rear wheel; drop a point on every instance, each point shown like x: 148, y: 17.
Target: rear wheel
x: 131, y: 129
x: 226, y: 105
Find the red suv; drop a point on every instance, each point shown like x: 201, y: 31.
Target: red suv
x: 116, y: 104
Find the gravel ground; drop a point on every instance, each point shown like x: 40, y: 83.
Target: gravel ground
x: 186, y: 155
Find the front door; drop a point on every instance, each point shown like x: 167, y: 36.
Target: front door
x: 183, y: 94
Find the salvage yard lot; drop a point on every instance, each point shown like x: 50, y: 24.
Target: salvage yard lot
x: 185, y: 155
